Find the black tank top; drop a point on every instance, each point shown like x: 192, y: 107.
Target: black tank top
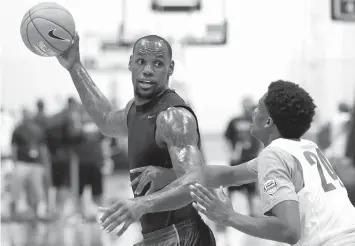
x: 143, y: 151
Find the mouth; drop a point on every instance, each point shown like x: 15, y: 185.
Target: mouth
x: 145, y: 84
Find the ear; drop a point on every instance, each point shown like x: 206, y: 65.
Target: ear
x: 171, y: 68
x: 269, y: 123
x: 130, y: 63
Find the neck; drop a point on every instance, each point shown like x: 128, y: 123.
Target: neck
x: 273, y: 136
x: 141, y: 101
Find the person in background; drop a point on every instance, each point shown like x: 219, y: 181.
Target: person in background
x: 94, y: 157
x: 63, y: 131
x: 7, y: 126
x: 350, y: 151
x: 31, y: 158
x: 41, y: 120
x: 243, y: 146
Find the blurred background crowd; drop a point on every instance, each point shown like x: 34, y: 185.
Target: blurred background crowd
x: 49, y: 161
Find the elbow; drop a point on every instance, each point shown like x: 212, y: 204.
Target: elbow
x: 292, y: 236
x: 193, y: 177
x: 106, y: 132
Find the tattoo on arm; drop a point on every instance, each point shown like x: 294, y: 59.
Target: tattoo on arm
x: 177, y: 127
x: 110, y: 121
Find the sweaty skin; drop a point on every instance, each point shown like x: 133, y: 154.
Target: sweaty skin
x: 110, y: 122
x: 177, y: 129
x: 150, y: 63
x: 151, y: 66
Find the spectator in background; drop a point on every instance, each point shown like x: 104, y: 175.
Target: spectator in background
x: 7, y: 126
x: 40, y: 117
x: 31, y: 158
x: 243, y: 147
x: 350, y: 152
x: 63, y: 131
x: 339, y: 128
x: 94, y: 156
x: 42, y: 121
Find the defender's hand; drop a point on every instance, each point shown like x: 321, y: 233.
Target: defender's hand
x: 158, y: 177
x: 71, y: 56
x: 218, y: 209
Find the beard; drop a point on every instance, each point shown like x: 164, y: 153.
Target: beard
x: 148, y: 94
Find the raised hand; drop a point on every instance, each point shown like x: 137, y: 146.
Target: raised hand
x: 70, y: 56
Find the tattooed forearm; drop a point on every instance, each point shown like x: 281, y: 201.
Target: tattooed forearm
x: 95, y: 103
x: 177, y: 127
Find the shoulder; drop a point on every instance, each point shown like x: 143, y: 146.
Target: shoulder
x: 176, y: 117
x: 17, y: 129
x: 177, y: 123
x: 128, y: 106
x: 233, y: 120
x: 272, y: 157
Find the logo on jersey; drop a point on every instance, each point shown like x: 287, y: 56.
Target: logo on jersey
x: 270, y: 187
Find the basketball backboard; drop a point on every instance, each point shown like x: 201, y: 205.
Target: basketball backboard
x: 343, y: 10
x: 205, y: 27
x: 176, y: 5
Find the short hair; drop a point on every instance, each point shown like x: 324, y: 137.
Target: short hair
x: 40, y: 104
x: 71, y: 100
x: 153, y: 38
x: 291, y: 108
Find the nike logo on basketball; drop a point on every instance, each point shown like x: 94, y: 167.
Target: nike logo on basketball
x: 52, y: 35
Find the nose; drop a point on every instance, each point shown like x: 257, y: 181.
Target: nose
x: 148, y: 72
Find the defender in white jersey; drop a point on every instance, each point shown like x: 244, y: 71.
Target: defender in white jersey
x: 304, y: 201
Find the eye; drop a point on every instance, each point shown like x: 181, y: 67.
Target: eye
x: 158, y: 63
x: 140, y: 61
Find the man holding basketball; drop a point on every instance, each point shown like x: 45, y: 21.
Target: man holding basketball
x: 162, y: 132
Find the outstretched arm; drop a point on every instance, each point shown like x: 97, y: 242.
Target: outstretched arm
x: 110, y: 121
x: 178, y: 128
x: 176, y: 194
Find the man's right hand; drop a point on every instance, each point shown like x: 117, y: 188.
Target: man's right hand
x: 158, y: 177
x: 71, y: 56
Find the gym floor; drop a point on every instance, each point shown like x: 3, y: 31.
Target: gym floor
x: 68, y: 233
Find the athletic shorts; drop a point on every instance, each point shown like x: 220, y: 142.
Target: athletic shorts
x: 28, y: 179
x: 185, y: 233
x: 90, y: 174
x: 60, y: 174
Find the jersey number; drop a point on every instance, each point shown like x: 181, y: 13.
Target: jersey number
x: 321, y: 160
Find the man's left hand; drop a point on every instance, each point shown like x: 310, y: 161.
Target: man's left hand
x: 123, y: 212
x: 218, y: 209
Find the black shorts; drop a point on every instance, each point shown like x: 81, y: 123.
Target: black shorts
x: 185, y: 233
x: 90, y: 174
x: 60, y: 174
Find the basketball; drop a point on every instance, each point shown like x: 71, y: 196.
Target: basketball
x: 48, y: 29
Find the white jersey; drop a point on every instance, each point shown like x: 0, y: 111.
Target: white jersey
x: 325, y: 209
x: 298, y: 170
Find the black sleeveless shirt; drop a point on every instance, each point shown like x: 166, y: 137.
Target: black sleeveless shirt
x: 144, y: 151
